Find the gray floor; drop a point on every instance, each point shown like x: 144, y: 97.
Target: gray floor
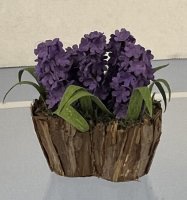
x: 24, y: 174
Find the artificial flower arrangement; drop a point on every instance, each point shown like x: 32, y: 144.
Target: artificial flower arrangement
x: 96, y: 114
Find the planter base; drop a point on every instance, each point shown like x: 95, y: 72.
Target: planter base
x: 106, y: 151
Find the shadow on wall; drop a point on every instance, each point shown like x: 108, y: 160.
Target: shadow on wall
x: 93, y: 188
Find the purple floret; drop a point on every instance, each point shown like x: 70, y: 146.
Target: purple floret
x: 129, y: 67
x: 113, y: 80
x: 53, y: 69
x: 92, y: 61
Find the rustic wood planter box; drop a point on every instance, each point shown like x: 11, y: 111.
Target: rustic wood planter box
x: 106, y: 151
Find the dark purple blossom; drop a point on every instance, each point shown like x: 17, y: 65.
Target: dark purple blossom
x: 129, y: 67
x: 92, y: 60
x: 93, y: 43
x: 53, y: 69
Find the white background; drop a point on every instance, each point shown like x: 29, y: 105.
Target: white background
x: 157, y: 25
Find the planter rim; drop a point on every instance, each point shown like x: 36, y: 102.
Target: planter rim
x: 145, y: 119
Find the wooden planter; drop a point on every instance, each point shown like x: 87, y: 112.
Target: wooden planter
x: 106, y: 151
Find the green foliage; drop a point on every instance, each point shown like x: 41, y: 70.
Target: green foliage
x: 160, y: 67
x: 160, y: 88
x: 67, y: 111
x: 151, y: 87
x: 139, y: 95
x: 38, y: 87
x: 135, y: 106
x: 69, y: 92
x: 146, y: 95
x: 86, y: 106
x: 159, y: 83
x: 30, y: 70
x: 142, y: 96
x: 166, y: 84
x: 90, y: 105
x: 69, y: 114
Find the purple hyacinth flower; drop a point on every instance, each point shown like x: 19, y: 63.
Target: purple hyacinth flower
x: 129, y: 67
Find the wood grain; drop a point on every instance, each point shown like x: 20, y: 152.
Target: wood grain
x: 107, y: 150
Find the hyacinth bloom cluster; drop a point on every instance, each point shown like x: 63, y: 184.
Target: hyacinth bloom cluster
x: 84, y: 65
x: 92, y: 63
x: 110, y: 70
x: 129, y: 67
x: 52, y: 70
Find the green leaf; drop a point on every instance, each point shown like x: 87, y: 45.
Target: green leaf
x: 78, y: 95
x: 166, y: 85
x: 74, y: 93
x: 67, y: 112
x: 146, y: 95
x: 30, y: 70
x: 86, y: 105
x: 151, y: 86
x: 74, y: 118
x: 160, y: 67
x: 37, y: 87
x: 101, y: 105
x: 160, y: 88
x: 69, y: 92
x: 84, y: 93
x: 135, y: 105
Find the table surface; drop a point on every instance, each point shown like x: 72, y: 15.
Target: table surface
x: 24, y: 174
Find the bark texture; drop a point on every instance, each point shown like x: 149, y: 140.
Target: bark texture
x: 106, y: 151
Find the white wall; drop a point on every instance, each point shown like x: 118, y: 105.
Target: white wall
x: 158, y: 25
